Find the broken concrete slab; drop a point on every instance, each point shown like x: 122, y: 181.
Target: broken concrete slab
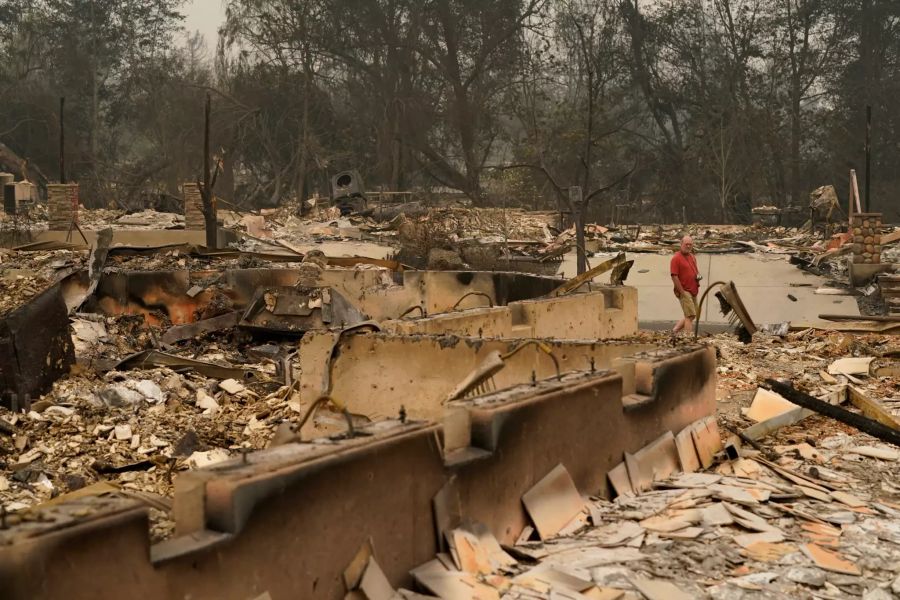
x: 829, y: 561
x: 553, y: 502
x: 655, y: 461
x: 767, y: 405
x: 434, y: 577
x: 618, y: 479
x: 716, y: 514
x: 354, y: 572
x: 659, y: 589
x: 876, y: 452
x: 687, y: 453
x: 851, y: 366
x: 706, y: 440
x: 374, y: 583
x: 795, y: 415
x: 748, y: 539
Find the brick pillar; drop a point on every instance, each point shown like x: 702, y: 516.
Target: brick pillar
x: 193, y: 207
x: 62, y: 204
x: 9, y: 197
x: 866, y: 229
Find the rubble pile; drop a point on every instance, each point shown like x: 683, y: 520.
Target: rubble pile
x: 802, y: 357
x: 134, y: 430
x: 806, y: 526
x: 146, y: 219
x: 32, y: 217
x: 24, y: 275
x: 488, y: 225
x: 19, y: 288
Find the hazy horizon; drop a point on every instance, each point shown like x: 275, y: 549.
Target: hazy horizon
x: 204, y: 16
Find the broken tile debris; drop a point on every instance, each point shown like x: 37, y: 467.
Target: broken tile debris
x: 553, y: 502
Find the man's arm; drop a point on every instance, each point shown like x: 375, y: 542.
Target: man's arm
x: 674, y: 267
x: 678, y: 289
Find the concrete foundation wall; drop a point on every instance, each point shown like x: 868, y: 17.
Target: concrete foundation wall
x: 376, y: 374
x: 287, y: 521
x: 609, y: 313
x: 585, y: 427
x: 605, y: 314
x: 475, y: 322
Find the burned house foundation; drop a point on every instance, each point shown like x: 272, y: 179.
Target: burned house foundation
x: 572, y: 389
x: 288, y: 520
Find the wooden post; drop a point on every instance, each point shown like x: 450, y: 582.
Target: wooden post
x: 854, y: 194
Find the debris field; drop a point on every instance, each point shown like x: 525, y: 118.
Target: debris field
x: 767, y: 499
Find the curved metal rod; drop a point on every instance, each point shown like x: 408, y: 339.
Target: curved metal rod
x: 326, y: 388
x: 490, y: 301
x: 351, y: 432
x: 412, y: 308
x: 700, y: 305
x: 542, y: 347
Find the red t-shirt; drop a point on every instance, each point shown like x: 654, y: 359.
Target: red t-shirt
x: 685, y: 268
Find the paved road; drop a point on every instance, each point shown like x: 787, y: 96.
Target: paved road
x: 763, y: 281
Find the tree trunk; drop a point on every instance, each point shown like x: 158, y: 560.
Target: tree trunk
x: 304, y: 138
x: 95, y: 94
x: 795, y: 140
x: 206, y: 192
x: 576, y: 204
x: 397, y: 150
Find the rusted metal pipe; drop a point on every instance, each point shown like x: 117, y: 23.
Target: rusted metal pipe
x: 490, y: 301
x: 412, y: 308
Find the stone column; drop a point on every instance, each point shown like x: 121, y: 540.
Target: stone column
x: 62, y: 204
x: 866, y: 231
x: 193, y: 207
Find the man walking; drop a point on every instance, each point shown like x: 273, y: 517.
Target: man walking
x: 686, y: 277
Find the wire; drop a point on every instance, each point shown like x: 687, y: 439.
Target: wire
x: 543, y: 347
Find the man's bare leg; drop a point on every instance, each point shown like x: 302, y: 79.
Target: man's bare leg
x: 686, y: 324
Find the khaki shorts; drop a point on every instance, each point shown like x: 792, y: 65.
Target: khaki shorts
x: 689, y: 305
